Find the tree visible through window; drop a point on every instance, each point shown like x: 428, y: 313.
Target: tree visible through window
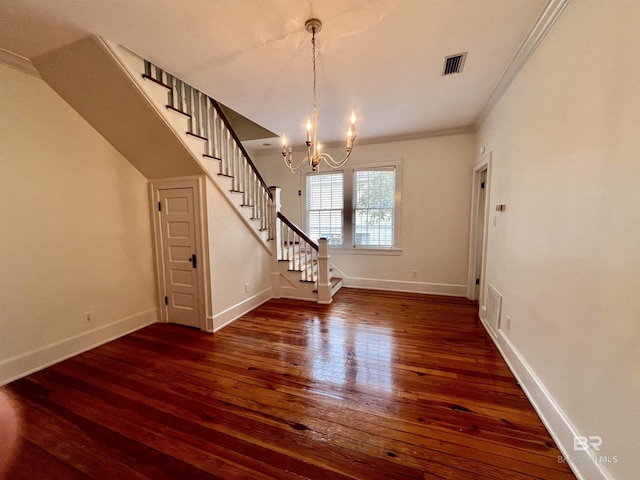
x: 374, y: 203
x: 324, y: 207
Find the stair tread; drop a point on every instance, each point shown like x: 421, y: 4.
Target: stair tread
x: 199, y: 137
x: 156, y: 81
x: 334, y: 282
x: 177, y: 110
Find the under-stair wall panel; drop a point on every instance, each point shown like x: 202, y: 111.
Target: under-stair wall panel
x: 240, y: 268
x: 88, y: 77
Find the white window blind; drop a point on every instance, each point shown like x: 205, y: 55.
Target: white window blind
x: 374, y: 207
x: 325, y: 202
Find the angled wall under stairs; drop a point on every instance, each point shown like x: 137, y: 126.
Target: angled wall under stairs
x: 88, y: 77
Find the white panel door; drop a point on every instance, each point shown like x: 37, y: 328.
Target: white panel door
x: 178, y: 226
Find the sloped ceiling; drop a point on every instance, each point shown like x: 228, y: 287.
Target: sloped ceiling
x: 382, y: 58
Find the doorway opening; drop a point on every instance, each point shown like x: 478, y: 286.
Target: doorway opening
x: 479, y: 230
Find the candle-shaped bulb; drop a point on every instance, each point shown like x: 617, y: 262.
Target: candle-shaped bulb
x: 284, y: 141
x: 353, y: 117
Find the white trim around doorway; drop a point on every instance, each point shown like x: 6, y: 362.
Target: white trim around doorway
x: 202, y: 242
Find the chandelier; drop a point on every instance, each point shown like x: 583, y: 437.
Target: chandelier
x: 314, y: 154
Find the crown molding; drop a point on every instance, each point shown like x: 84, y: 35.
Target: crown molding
x: 373, y: 140
x: 18, y: 62
x: 417, y: 135
x: 545, y: 21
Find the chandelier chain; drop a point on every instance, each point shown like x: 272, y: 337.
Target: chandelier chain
x: 313, y: 43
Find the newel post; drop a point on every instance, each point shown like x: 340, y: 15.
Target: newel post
x: 324, y: 277
x: 276, y: 240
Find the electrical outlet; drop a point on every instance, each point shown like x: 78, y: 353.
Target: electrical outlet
x: 88, y: 317
x: 414, y: 273
x: 508, y: 323
x: 246, y: 288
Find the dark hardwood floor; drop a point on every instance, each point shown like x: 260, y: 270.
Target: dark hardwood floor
x: 377, y: 385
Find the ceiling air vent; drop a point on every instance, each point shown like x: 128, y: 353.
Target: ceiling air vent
x: 454, y: 63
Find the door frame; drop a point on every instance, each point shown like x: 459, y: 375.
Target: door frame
x: 485, y: 164
x: 199, y: 201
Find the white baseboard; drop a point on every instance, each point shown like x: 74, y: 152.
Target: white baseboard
x: 27, y: 363
x: 224, y: 318
x: 399, y: 285
x: 404, y: 286
x: 294, y: 297
x: 554, y: 419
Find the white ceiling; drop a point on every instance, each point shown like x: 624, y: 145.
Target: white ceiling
x: 382, y: 58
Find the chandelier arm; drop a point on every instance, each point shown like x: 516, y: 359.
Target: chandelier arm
x: 295, y: 168
x: 331, y: 163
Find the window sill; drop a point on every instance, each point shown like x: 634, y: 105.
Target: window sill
x: 366, y: 251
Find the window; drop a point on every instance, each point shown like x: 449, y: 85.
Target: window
x: 357, y: 209
x: 374, y: 204
x: 324, y: 207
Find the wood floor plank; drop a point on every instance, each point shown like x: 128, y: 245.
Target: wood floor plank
x: 377, y: 385
x: 36, y: 463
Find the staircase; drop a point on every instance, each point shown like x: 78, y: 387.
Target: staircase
x: 181, y: 132
x: 300, y: 265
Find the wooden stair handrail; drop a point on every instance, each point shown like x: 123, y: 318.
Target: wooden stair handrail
x: 299, y: 231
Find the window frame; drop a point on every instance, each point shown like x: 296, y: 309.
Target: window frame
x: 354, y: 232
x: 348, y: 209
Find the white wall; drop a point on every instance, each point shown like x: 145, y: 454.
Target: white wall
x: 436, y: 196
x: 75, y: 232
x: 236, y: 258
x: 565, y: 254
